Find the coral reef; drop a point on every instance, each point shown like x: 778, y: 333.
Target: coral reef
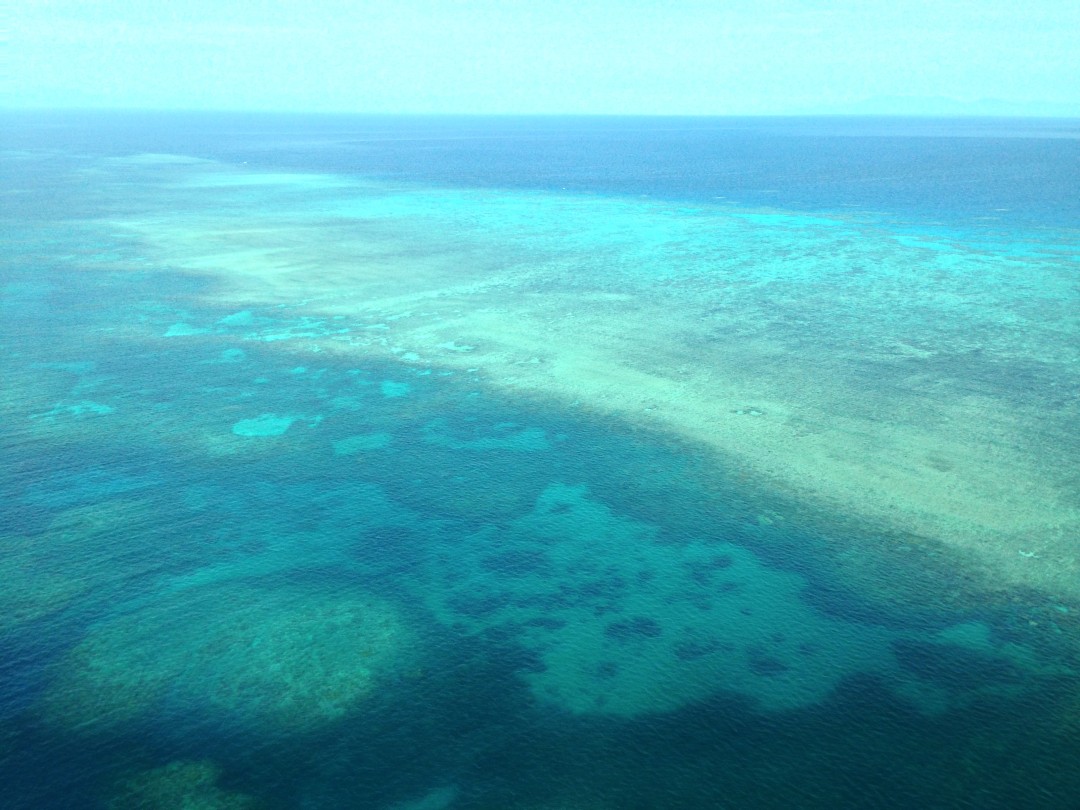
x: 178, y: 786
x: 231, y: 652
x: 46, y: 572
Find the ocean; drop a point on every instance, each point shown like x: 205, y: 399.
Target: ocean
x: 447, y: 463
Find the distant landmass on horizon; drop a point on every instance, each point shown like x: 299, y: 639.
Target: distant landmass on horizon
x: 945, y: 106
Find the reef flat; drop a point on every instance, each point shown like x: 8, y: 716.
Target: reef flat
x: 910, y: 384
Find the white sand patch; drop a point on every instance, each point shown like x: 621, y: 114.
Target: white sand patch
x: 268, y: 424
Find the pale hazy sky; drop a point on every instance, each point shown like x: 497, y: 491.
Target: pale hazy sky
x: 542, y: 56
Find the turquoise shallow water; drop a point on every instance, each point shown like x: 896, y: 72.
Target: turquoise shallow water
x: 364, y: 486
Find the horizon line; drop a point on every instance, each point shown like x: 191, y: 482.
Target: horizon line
x: 4, y: 109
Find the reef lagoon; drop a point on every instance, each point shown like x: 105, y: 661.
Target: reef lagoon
x: 536, y: 463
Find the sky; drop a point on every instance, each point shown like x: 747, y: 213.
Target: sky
x: 679, y: 57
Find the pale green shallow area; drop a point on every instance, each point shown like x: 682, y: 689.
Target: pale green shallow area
x: 918, y: 388
x: 267, y: 424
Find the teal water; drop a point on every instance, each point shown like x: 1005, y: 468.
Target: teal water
x: 341, y: 471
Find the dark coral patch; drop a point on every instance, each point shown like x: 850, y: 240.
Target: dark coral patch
x: 703, y: 572
x: 389, y: 537
x: 476, y: 607
x: 953, y: 666
x: 761, y: 663
x: 607, y: 669
x: 721, y: 561
x: 545, y: 623
x: 637, y: 627
x: 694, y: 649
x: 611, y: 586
x: 702, y: 578
x: 518, y: 563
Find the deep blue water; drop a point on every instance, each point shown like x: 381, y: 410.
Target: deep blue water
x: 256, y: 555
x: 929, y: 169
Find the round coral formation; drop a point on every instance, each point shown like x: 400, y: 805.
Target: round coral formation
x: 230, y: 652
x: 178, y: 786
